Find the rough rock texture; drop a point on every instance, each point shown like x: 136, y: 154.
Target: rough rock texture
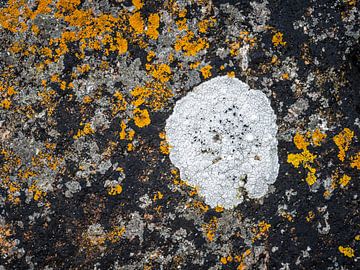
x: 86, y: 86
x: 222, y: 137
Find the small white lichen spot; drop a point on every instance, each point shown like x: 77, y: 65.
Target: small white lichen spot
x: 222, y: 137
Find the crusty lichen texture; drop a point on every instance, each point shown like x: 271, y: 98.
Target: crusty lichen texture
x: 222, y: 137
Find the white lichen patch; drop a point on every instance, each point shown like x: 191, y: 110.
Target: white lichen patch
x: 222, y: 137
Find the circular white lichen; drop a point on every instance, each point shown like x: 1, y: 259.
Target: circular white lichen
x: 222, y: 137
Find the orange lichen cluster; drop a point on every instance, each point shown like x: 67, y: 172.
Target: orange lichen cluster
x: 164, y: 145
x: 137, y: 23
x: 310, y: 216
x: 86, y: 130
x: 119, y: 104
x: 205, y: 24
x: 24, y: 178
x: 115, y: 190
x: 355, y: 161
x: 189, y: 44
x: 6, y: 244
x: 347, y: 251
x: 261, y: 230
x: 245, y: 38
x: 153, y: 25
x: 153, y: 95
x: 98, y: 240
x: 210, y: 228
x: 206, y: 71
x: 126, y: 133
x: 141, y: 117
x: 6, y: 93
x: 305, y: 158
x: 160, y: 72
x: 277, y: 39
x: 36, y: 192
x: 238, y: 259
x: 343, y: 140
x: 199, y: 205
x: 158, y: 196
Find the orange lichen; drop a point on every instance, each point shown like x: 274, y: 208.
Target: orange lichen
x: 137, y: 4
x: 343, y: 140
x: 210, y: 228
x: 6, y: 243
x: 158, y: 196
x: 355, y: 161
x: 119, y: 104
x: 219, y: 209
x: 206, y: 71
x: 115, y: 234
x: 161, y: 72
x: 344, y: 180
x: 305, y: 158
x: 261, y: 230
x: 115, y: 190
x: 277, y: 39
x: 141, y: 117
x: 36, y: 191
x: 347, y: 251
x: 137, y: 23
x: 153, y: 94
x: 87, y: 129
x: 189, y: 45
x: 205, y: 24
x: 318, y: 137
x: 310, y: 216
x: 153, y: 25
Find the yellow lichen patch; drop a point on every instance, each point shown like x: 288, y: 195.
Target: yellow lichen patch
x: 189, y: 45
x: 86, y: 130
x: 121, y: 44
x: 310, y: 216
x: 164, y: 146
x: 344, y: 180
x: 150, y: 56
x: 285, y: 76
x: 115, y: 190
x: 343, y: 140
x: 6, y: 243
x: 231, y: 74
x: 261, y: 230
x: 36, y: 192
x: 137, y: 4
x: 153, y: 25
x: 158, y: 196
x: 137, y: 23
x: 126, y: 134
x: 205, y: 24
x: 5, y: 103
x: 300, y: 141
x: 119, y: 104
x: 347, y: 251
x: 219, y: 209
x: 210, y: 228
x: 305, y: 158
x: 357, y: 237
x: 115, y: 234
x: 154, y: 95
x: 277, y: 39
x: 355, y: 161
x: 198, y: 205
x: 161, y: 72
x: 318, y: 137
x: 141, y: 117
x: 206, y: 71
